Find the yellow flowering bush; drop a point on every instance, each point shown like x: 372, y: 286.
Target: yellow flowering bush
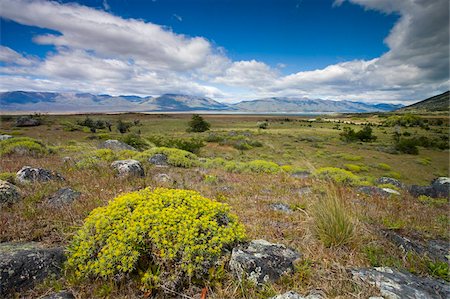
x: 163, y: 236
x: 22, y: 146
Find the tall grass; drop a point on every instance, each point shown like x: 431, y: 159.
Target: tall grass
x: 333, y: 223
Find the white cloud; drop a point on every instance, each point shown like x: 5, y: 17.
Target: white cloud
x: 102, y: 53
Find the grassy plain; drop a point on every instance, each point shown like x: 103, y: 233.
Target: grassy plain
x: 300, y: 142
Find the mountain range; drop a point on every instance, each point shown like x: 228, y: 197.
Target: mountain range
x: 440, y: 102
x: 23, y: 101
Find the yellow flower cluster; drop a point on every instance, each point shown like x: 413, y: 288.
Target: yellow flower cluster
x: 157, y: 234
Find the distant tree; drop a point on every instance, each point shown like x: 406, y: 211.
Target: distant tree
x: 108, y: 124
x: 198, y: 124
x: 263, y: 125
x: 365, y: 134
x: 123, y: 127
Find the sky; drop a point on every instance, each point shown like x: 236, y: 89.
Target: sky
x: 229, y: 50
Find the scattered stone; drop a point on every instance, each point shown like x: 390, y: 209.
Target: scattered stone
x: 60, y: 295
x: 281, y: 207
x: 30, y: 174
x: 67, y: 159
x: 260, y: 261
x: 62, y: 197
x: 434, y: 249
x: 304, y: 191
x: 316, y: 294
x: 24, y: 265
x: 116, y: 145
x: 4, y: 137
x: 376, y: 191
x: 128, y: 168
x: 439, y: 188
x: 26, y: 121
x: 226, y: 189
x: 391, y: 181
x: 394, y: 284
x: 159, y: 160
x: 301, y: 174
x: 162, y: 178
x: 9, y: 193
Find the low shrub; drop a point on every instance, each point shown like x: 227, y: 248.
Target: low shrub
x: 383, y: 166
x: 407, y: 146
x: 8, y: 177
x: 135, y: 141
x: 424, y: 161
x: 348, y: 157
x: 198, y: 124
x: 394, y: 174
x: 333, y: 223
x: 262, y: 166
x: 70, y: 127
x: 192, y: 145
x: 175, y: 157
x: 22, y: 146
x: 356, y: 168
x: 364, y: 135
x: 339, y: 175
x: 164, y: 237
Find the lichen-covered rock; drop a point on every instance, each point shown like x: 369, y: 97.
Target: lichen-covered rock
x: 376, y: 191
x: 394, y: 284
x: 116, y: 145
x: 60, y: 295
x: 127, y: 168
x: 439, y: 188
x: 24, y: 265
x: 30, y: 174
x: 8, y: 193
x: 387, y: 180
x: 162, y: 178
x: 5, y: 137
x: 261, y: 261
x: 293, y: 295
x: 281, y: 207
x: 62, y: 197
x: 159, y: 160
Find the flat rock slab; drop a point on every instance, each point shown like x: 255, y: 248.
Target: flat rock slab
x: 62, y: 197
x: 281, y: 207
x: 116, y: 145
x: 25, y: 264
x: 293, y: 295
x: 387, y: 180
x: 439, y: 188
x: 260, y: 261
x: 5, y: 137
x: 394, y: 284
x: 159, y: 160
x: 9, y: 193
x: 376, y: 191
x: 126, y: 168
x: 31, y: 174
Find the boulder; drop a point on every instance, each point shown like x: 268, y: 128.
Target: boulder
x: 162, y: 178
x: 26, y: 121
x: 30, y: 174
x: 434, y: 249
x: 281, y: 207
x: 60, y: 295
x: 260, y: 261
x: 394, y: 284
x: 116, y: 145
x: 376, y: 191
x: 439, y: 188
x: 127, y: 168
x: 391, y: 181
x: 159, y: 160
x: 62, y: 197
x: 4, y: 137
x: 293, y: 295
x: 8, y: 193
x: 24, y: 265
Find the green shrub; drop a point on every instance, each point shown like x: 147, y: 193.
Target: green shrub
x: 356, y: 168
x: 70, y: 127
x: 365, y: 134
x: 192, y: 145
x: 383, y: 166
x: 94, y: 158
x: 198, y: 124
x: 262, y: 166
x: 337, y: 175
x: 22, y: 146
x: 8, y: 176
x: 135, y: 141
x: 407, y: 146
x: 175, y: 157
x: 394, y: 174
x: 424, y: 161
x: 163, y: 237
x: 333, y: 224
x: 210, y: 179
x: 406, y: 120
x: 263, y: 125
x: 348, y: 157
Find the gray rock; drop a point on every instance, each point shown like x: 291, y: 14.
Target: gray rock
x: 439, y: 188
x: 301, y: 174
x: 9, y: 193
x: 60, y: 295
x: 304, y: 191
x: 5, y: 137
x: 261, y: 261
x: 26, y: 121
x: 24, y: 265
x: 127, y: 168
x: 394, y: 284
x: 392, y: 181
x: 62, y: 197
x: 30, y: 174
x: 116, y: 145
x: 281, y: 207
x: 293, y: 295
x: 159, y: 160
x: 376, y: 191
x: 162, y: 178
x: 434, y: 249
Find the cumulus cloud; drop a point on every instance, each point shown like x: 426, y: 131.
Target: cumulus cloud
x: 102, y: 53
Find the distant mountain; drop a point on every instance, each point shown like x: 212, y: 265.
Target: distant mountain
x: 440, y: 102
x: 305, y: 105
x: 86, y: 102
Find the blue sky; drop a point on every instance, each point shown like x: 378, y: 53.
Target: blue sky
x: 229, y: 50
